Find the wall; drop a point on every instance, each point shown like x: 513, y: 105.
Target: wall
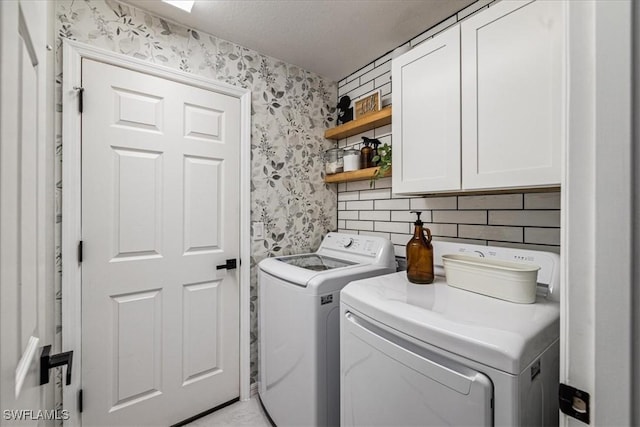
x: 516, y: 220
x: 291, y: 108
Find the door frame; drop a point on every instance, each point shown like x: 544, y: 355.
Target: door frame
x: 597, y: 308
x: 73, y: 53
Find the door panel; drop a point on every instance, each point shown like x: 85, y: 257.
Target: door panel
x: 26, y: 216
x: 159, y: 213
x: 426, y: 110
x: 203, y: 189
x: 137, y: 203
x: 512, y: 93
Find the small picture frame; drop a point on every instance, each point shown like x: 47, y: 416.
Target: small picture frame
x: 369, y: 103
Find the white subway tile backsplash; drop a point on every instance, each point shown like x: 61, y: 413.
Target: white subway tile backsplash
x: 382, y: 131
x: 407, y: 216
x: 385, y: 92
x: 400, y: 239
x: 498, y: 201
x: 347, y: 87
x: 385, y: 139
x: 348, y: 195
x: 392, y: 205
x: 356, y: 139
x: 446, y: 230
x: 460, y: 217
x: 382, y: 193
x: 375, y: 215
x: 341, y: 224
x: 342, y: 206
x: 348, y: 215
x: 542, y: 201
x: 401, y: 196
x: 382, y: 80
x: 531, y: 218
x: 347, y: 231
x: 386, y: 98
x: 543, y: 236
x: 376, y: 72
x: 393, y: 227
x: 359, y: 91
x: 491, y: 232
x: 342, y: 186
x: 383, y: 183
x: 364, y: 205
x: 360, y: 225
x: 360, y: 72
x: 357, y: 185
x: 428, y: 203
x: 375, y: 234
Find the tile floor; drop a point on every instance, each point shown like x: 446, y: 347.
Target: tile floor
x: 240, y: 414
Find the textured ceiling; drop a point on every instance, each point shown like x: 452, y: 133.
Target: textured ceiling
x: 330, y: 37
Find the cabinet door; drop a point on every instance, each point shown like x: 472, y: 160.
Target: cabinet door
x: 512, y: 95
x: 426, y: 116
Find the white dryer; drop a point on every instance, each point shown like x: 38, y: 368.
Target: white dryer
x: 435, y: 355
x: 299, y: 325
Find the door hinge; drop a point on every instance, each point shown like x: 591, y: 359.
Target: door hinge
x: 80, y: 400
x: 80, y: 91
x: 574, y: 403
x: 80, y: 251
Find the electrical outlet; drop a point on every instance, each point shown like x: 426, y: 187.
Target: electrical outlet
x: 258, y: 231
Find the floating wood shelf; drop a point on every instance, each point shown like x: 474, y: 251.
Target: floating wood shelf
x: 359, y: 175
x: 354, y: 127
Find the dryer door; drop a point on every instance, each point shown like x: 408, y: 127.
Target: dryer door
x: 391, y: 380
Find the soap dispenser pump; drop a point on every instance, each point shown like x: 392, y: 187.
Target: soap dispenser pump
x: 420, y: 254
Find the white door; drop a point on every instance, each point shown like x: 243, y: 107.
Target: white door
x: 160, y: 185
x: 426, y: 116
x: 512, y: 95
x: 26, y: 218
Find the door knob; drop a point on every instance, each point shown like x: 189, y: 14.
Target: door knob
x: 229, y: 265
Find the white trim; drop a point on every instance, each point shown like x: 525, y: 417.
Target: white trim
x: 73, y: 53
x: 245, y: 245
x: 596, y: 315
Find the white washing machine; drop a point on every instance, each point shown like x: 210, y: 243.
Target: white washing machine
x: 299, y: 316
x: 435, y: 355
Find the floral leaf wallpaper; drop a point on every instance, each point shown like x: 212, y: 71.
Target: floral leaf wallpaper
x: 290, y: 110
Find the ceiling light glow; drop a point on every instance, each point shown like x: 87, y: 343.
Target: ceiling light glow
x: 185, y: 5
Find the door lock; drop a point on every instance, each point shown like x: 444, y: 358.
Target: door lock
x: 229, y: 265
x: 47, y: 362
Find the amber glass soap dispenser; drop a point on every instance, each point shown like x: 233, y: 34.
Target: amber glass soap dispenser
x: 420, y: 255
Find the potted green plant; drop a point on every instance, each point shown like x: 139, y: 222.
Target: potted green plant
x: 383, y: 161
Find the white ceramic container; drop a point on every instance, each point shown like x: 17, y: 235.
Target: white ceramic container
x: 351, y: 160
x: 510, y: 281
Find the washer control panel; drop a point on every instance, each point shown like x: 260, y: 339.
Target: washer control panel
x: 362, y: 245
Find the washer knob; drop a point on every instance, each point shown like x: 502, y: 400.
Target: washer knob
x: 349, y: 243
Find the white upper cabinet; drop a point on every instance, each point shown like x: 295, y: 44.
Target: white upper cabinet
x: 481, y: 106
x: 512, y: 95
x: 426, y: 116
